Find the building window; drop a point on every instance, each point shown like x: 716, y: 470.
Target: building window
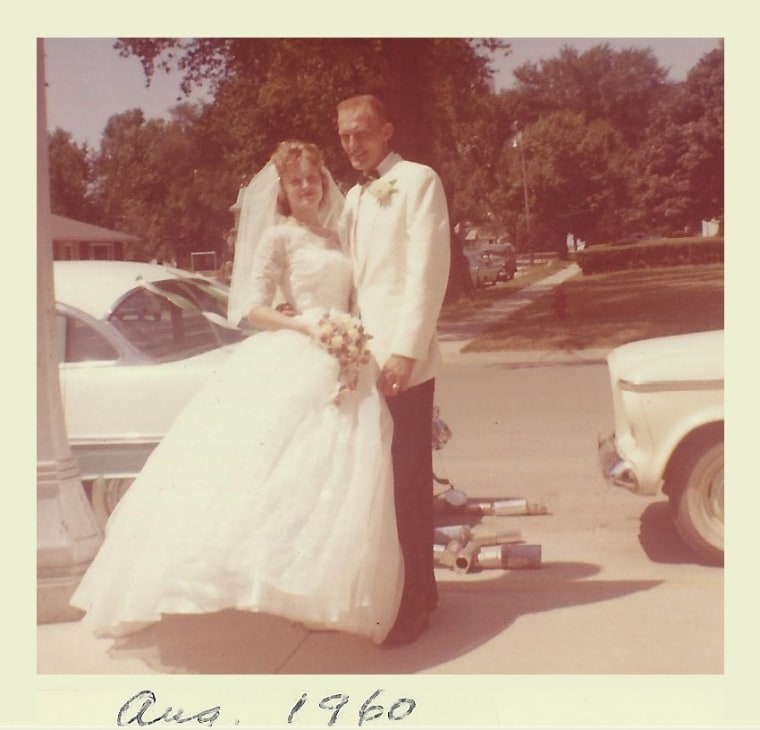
x: 100, y: 252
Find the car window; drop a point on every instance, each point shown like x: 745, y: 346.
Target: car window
x: 169, y: 320
x: 79, y: 342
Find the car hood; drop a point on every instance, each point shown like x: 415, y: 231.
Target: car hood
x: 697, y: 356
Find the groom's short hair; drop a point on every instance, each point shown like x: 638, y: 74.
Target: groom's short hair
x: 370, y: 101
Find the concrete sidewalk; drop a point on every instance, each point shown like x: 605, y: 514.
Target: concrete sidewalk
x: 454, y: 336
x: 237, y: 642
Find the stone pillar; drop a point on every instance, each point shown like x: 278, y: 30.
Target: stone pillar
x: 68, y: 536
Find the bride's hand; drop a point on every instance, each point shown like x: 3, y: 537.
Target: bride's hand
x: 310, y: 330
x: 286, y: 309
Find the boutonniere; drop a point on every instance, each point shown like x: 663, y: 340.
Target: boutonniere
x: 383, y: 190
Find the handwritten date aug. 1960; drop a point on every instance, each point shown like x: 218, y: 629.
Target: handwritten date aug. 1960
x: 139, y: 710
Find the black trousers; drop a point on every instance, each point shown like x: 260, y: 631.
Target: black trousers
x: 412, y: 451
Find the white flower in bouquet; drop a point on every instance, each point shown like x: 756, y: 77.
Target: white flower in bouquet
x: 343, y: 336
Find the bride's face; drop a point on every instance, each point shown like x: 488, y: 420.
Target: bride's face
x: 302, y: 182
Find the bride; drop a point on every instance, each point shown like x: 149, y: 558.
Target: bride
x: 269, y: 493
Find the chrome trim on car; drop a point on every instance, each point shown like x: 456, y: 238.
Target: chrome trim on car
x: 114, y: 440
x: 111, y: 474
x: 684, y: 385
x: 112, y: 459
x: 615, y: 469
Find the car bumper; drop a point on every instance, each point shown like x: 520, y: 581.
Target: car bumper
x: 112, y: 459
x: 615, y: 469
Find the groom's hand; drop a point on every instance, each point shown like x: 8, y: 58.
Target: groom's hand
x: 394, y: 377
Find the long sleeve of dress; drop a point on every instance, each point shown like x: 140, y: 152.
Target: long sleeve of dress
x: 268, y: 266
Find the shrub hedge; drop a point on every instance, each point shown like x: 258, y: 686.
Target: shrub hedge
x: 659, y: 252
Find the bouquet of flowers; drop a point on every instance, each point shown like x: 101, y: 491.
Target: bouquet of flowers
x: 344, y: 337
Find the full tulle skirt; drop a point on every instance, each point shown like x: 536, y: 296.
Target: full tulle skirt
x: 266, y: 495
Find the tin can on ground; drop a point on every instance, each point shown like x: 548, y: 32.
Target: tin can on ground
x: 466, y: 558
x: 509, y: 556
x: 512, y: 506
x: 448, y: 556
x: 445, y: 534
x: 484, y: 536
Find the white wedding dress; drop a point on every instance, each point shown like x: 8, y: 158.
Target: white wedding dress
x: 265, y: 495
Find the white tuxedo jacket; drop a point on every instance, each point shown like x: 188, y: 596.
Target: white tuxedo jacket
x: 397, y: 232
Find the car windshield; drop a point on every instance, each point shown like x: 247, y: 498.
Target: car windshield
x: 175, y: 318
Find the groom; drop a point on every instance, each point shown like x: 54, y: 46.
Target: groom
x: 397, y: 227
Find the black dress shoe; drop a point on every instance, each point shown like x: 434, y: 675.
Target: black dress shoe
x: 406, y: 629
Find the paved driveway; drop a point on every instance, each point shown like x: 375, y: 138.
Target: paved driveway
x: 618, y: 592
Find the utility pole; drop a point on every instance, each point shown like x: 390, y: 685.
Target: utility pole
x: 517, y: 141
x: 68, y: 535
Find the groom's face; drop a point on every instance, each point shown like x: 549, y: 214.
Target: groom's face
x: 364, y: 136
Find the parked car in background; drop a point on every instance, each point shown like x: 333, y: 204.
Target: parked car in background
x: 667, y: 398
x: 135, y: 342
x: 484, y: 268
x: 505, y: 253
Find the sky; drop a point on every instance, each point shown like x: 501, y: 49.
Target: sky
x: 88, y: 82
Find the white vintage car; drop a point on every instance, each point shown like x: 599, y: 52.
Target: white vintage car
x: 668, y: 407
x: 135, y: 341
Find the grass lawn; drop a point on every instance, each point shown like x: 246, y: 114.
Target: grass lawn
x: 606, y: 310
x: 485, y: 297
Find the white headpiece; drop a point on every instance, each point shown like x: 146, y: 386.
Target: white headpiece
x: 258, y: 213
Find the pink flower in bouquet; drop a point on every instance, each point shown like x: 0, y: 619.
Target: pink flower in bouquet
x: 343, y: 336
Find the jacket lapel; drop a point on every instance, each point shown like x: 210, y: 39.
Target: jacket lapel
x: 360, y: 245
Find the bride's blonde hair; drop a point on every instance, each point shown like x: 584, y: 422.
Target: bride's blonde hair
x: 286, y: 154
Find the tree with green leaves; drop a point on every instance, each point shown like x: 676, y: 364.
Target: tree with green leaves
x: 575, y: 175
x: 608, y: 145
x: 620, y: 87
x: 678, y: 171
x: 581, y: 117
x: 154, y: 178
x: 70, y: 178
x: 269, y: 89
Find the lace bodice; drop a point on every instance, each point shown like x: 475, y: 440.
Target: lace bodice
x: 310, y: 271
